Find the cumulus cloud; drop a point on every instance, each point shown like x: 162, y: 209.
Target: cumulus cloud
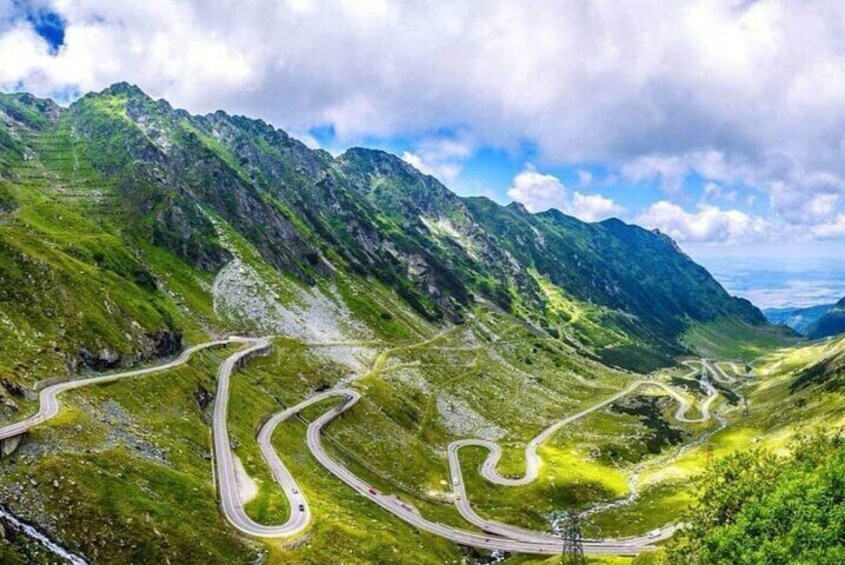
x: 806, y: 206
x: 707, y: 224
x: 593, y: 207
x: 714, y: 191
x: 833, y: 229
x: 653, y: 89
x: 441, y: 157
x: 539, y: 192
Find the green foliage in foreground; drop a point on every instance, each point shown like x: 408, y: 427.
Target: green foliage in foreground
x: 756, y: 507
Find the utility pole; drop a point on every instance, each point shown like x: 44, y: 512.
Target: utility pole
x: 572, y: 552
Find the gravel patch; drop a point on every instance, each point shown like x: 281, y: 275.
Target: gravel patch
x: 242, y: 295
x: 461, y: 420
x: 247, y: 489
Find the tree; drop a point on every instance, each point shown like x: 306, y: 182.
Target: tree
x: 755, y: 507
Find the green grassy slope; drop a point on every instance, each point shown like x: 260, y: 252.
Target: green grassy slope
x: 790, y: 395
x: 729, y: 338
x: 122, y: 218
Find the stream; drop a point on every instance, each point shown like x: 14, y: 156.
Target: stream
x: 35, y: 534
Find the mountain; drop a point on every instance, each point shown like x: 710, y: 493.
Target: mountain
x: 799, y: 319
x: 157, y: 178
x: 830, y: 323
x: 130, y: 230
x: 815, y: 322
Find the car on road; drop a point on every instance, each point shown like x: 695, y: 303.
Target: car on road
x: 372, y: 491
x: 302, y: 508
x: 654, y: 533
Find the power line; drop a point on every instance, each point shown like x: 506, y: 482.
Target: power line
x: 572, y: 552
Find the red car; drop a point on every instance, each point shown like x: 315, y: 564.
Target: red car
x: 372, y: 491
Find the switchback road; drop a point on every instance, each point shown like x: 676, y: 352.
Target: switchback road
x: 495, y: 536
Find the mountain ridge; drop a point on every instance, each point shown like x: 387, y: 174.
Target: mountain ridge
x: 131, y: 230
x: 366, y: 211
x: 831, y: 323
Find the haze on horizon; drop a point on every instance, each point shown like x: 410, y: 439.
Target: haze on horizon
x: 699, y: 118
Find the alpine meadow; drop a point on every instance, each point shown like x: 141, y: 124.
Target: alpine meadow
x: 224, y: 343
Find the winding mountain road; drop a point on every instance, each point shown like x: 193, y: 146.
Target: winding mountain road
x: 532, y: 464
x: 498, y: 536
x: 48, y: 397
x: 224, y: 461
x: 495, y: 536
x: 549, y: 546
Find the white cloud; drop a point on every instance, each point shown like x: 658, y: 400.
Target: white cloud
x: 651, y: 89
x: 715, y: 191
x: 585, y: 177
x: 706, y: 224
x: 670, y: 170
x: 833, y: 229
x: 673, y: 170
x: 309, y: 140
x: 539, y: 192
x: 441, y: 157
x: 162, y: 46
x: 804, y: 204
x: 442, y: 171
x: 593, y: 207
x: 300, y: 6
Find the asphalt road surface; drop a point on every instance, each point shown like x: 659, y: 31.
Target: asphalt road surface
x: 494, y: 536
x: 498, y: 536
x: 48, y: 397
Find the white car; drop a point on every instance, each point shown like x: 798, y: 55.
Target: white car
x: 654, y: 533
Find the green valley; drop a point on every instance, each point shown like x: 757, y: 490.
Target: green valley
x: 614, y: 377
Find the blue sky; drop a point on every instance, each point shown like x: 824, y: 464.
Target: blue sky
x: 48, y: 24
x: 476, y: 169
x: 490, y: 171
x: 719, y: 122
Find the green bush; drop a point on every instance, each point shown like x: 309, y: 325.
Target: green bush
x: 756, y: 507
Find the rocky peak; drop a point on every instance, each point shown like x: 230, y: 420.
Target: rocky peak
x: 27, y: 111
x: 124, y: 90
x: 518, y: 208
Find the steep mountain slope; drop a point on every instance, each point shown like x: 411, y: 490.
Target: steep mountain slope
x: 164, y: 177
x: 644, y: 284
x: 830, y: 323
x: 129, y: 229
x: 825, y: 372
